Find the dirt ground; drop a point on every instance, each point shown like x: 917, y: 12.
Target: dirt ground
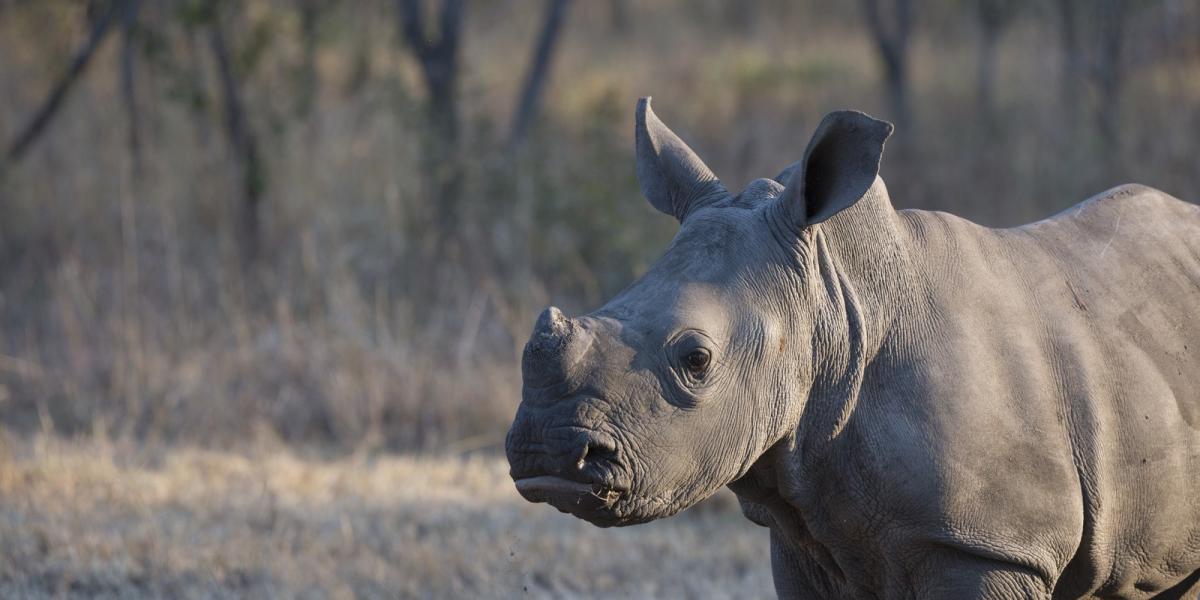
x: 92, y: 520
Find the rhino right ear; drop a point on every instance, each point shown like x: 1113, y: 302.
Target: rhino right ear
x: 839, y: 166
x: 672, y: 177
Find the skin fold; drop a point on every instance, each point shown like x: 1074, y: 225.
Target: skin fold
x: 915, y: 405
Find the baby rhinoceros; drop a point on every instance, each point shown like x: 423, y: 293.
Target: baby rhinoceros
x: 915, y: 406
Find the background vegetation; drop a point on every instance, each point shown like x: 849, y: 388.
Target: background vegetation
x: 256, y: 218
x: 325, y: 226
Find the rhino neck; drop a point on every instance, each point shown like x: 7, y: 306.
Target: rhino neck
x: 855, y: 266
x: 866, y: 251
x: 862, y: 294
x: 856, y: 292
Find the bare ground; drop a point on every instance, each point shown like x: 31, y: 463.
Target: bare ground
x: 90, y: 520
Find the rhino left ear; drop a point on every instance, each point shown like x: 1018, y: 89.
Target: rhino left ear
x: 672, y: 177
x: 839, y: 166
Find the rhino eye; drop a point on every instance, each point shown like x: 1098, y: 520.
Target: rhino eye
x: 697, y: 362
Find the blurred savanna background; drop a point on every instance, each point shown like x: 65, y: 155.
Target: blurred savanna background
x: 267, y: 266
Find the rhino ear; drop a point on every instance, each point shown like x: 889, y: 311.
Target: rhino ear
x: 839, y: 166
x: 672, y: 177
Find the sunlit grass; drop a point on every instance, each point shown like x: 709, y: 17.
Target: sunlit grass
x: 94, y: 519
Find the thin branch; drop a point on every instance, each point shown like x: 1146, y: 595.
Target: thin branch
x: 79, y: 63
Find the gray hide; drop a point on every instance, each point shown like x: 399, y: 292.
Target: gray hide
x: 915, y: 405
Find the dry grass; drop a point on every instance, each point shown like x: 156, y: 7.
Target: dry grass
x: 94, y: 520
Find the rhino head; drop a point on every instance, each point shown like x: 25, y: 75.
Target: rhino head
x: 676, y: 386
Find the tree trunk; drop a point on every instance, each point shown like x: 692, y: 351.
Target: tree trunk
x: 1098, y: 25
x: 1109, y: 70
x: 198, y: 101
x: 439, y: 67
x: 242, y: 142
x: 896, y: 76
x: 618, y: 16
x: 891, y: 34
x: 129, y: 20
x: 438, y: 60
x: 992, y: 20
x: 306, y: 96
x: 1072, y: 56
x: 539, y: 69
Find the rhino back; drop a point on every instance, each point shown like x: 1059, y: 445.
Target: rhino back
x: 1061, y: 357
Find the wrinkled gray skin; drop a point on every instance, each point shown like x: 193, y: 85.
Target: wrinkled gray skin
x: 915, y: 405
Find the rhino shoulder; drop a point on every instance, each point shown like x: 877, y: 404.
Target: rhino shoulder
x: 1132, y: 195
x: 1127, y: 200
x: 1127, y: 190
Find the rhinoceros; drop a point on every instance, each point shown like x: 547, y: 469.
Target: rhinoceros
x: 915, y: 405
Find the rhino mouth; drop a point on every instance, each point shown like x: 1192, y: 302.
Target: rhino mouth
x: 586, y: 500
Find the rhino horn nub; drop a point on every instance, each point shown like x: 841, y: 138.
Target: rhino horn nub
x: 553, y: 323
x: 554, y: 346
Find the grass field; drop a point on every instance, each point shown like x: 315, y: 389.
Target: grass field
x: 84, y: 520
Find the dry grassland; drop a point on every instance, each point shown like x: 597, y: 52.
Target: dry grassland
x: 90, y: 520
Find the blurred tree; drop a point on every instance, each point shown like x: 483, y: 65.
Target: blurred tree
x: 994, y: 17
x: 242, y: 140
x: 101, y: 19
x: 739, y: 16
x: 538, y: 71
x: 190, y: 85
x: 890, y: 23
x: 438, y: 59
x: 1099, y: 26
x: 618, y: 16
x: 310, y: 12
x: 1071, y: 74
x: 129, y: 24
x: 1173, y: 16
x: 1109, y: 71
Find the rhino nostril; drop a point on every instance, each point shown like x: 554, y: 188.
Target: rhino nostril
x: 597, y: 449
x: 579, y: 464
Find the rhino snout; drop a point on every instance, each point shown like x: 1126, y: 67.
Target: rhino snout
x: 573, y: 468
x: 569, y: 452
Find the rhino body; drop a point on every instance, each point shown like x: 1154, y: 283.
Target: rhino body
x: 915, y: 405
x: 1027, y: 423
